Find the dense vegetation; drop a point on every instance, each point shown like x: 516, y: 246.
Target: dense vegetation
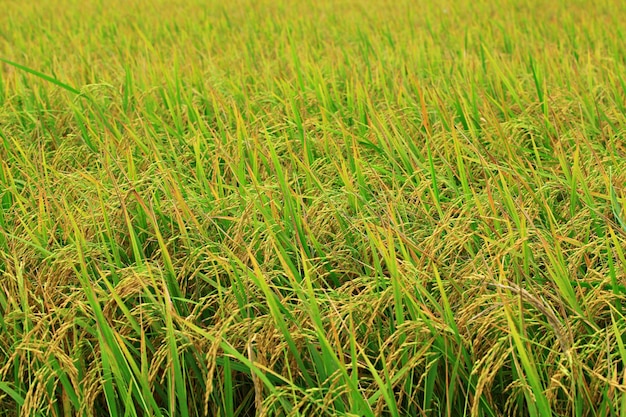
x: 319, y: 208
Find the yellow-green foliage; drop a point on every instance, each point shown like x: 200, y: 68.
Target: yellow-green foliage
x: 319, y: 208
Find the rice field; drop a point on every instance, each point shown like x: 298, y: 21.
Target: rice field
x: 318, y: 208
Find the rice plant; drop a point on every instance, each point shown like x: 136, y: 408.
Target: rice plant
x: 320, y: 208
